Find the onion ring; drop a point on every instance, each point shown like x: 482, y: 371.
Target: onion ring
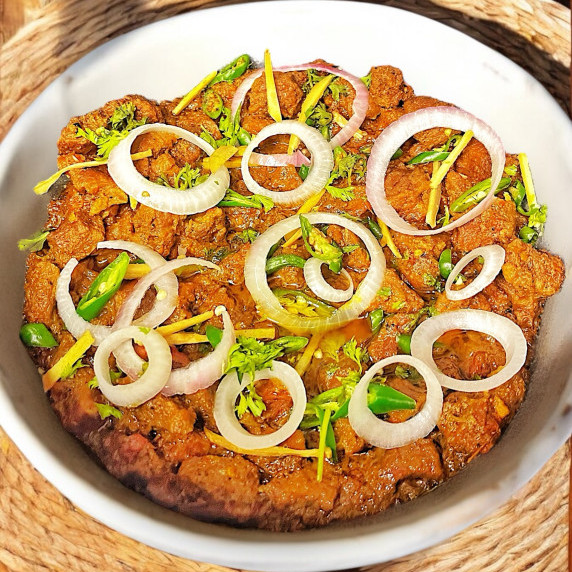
x: 296, y: 159
x: 229, y: 389
x: 502, y: 329
x: 150, y: 383
x: 161, y: 198
x: 359, y: 106
x: 269, y: 306
x: 390, y: 435
x: 203, y: 372
x: 322, y: 163
x: 127, y: 360
x: 494, y: 259
x: 318, y: 285
x: 404, y: 128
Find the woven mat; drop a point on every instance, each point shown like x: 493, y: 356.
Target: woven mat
x: 41, y: 530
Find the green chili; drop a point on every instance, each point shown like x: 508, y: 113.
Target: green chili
x: 233, y: 70
x: 212, y: 104
x: 528, y: 234
x: 302, y: 302
x: 428, y: 157
x: 376, y: 318
x: 397, y: 154
x: 319, y: 246
x: 303, y: 172
x: 234, y: 199
x: 404, y: 343
x: 103, y: 287
x: 476, y: 194
x: 277, y: 262
x: 36, y: 335
x: 445, y: 263
x: 375, y: 228
x: 214, y: 335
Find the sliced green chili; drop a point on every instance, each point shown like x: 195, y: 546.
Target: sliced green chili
x: 212, y: 104
x: 476, y: 194
x: 103, y: 287
x: 37, y: 335
x: 528, y: 234
x: 233, y: 70
x: 445, y: 263
x: 375, y: 228
x: 299, y: 299
x: 376, y: 318
x: 428, y: 157
x: 382, y: 398
x: 214, y: 335
x: 404, y: 343
x: 303, y: 172
x: 278, y: 262
x: 397, y: 154
x: 319, y: 246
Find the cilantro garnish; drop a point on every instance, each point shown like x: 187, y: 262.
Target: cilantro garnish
x: 186, y: 178
x: 106, y: 410
x: 34, y: 242
x: 355, y: 353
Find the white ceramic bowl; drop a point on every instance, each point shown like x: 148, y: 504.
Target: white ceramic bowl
x: 164, y: 60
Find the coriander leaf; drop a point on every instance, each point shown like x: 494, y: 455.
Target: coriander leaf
x: 338, y: 88
x: 34, y: 242
x: 248, y: 235
x: 106, y: 410
x: 355, y: 353
x: 69, y: 371
x: 249, y: 400
x: 214, y: 335
x: 187, y: 178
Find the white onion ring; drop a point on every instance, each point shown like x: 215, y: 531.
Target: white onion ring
x: 76, y: 325
x: 502, y: 329
x: 316, y: 282
x: 405, y: 127
x: 390, y: 435
x: 269, y: 306
x: 359, y: 106
x: 296, y: 159
x: 150, y: 383
x: 229, y: 389
x: 203, y: 372
x: 161, y: 198
x: 322, y: 162
x: 127, y: 360
x: 494, y: 259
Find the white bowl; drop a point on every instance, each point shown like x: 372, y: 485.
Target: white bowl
x: 162, y: 61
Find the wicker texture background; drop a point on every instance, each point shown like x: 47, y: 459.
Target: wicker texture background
x: 41, y: 530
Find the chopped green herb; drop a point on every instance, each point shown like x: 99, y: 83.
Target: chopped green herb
x: 106, y: 411
x: 338, y: 88
x: 69, y: 370
x: 249, y: 355
x: 186, y: 178
x: 321, y: 119
x: 355, y: 353
x: 248, y: 235
x: 367, y: 80
x: 249, y: 400
x: 297, y: 302
x: 34, y: 242
x: 384, y: 291
x: 234, y: 199
x: 118, y: 127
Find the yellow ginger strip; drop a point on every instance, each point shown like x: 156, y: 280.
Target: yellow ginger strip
x: 219, y: 157
x: 44, y: 186
x: 183, y: 338
x: 193, y: 93
x: 271, y: 94
x: 310, y: 203
x: 342, y: 122
x: 388, y: 238
x: 527, y: 180
x: 308, y: 105
x: 439, y: 175
x: 308, y: 354
x: 184, y: 324
x: 136, y: 271
x: 76, y: 352
x: 268, y: 452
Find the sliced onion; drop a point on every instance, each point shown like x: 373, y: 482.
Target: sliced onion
x: 150, y: 383
x: 502, y: 329
x: 164, y: 306
x: 296, y: 159
x: 269, y: 306
x: 494, y: 259
x: 317, y: 283
x: 203, y: 372
x: 322, y: 162
x: 359, y: 106
x: 225, y: 399
x: 127, y: 360
x: 405, y: 127
x: 74, y: 323
x: 389, y: 435
x: 161, y: 198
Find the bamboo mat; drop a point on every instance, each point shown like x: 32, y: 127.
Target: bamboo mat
x: 41, y: 530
